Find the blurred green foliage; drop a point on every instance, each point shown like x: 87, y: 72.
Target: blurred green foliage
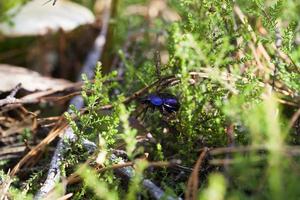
x: 5, y: 6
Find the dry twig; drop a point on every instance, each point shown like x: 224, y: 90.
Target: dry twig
x: 193, y: 182
x: 294, y: 118
x: 11, y: 97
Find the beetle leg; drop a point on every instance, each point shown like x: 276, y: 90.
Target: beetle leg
x: 163, y: 109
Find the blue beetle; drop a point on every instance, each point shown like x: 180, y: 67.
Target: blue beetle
x: 166, y: 103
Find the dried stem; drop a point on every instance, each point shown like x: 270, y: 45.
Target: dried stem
x: 193, y: 182
x: 11, y: 97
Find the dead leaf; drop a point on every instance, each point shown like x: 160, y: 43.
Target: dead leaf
x: 10, y: 76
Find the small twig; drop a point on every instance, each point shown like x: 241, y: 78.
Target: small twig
x: 294, y: 118
x: 62, y: 98
x: 11, y: 97
x: 15, y: 90
x: 193, y: 182
x: 45, y: 119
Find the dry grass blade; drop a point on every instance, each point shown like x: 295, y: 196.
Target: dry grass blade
x: 34, y: 151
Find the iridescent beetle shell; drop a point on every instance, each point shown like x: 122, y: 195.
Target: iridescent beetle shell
x: 163, y: 101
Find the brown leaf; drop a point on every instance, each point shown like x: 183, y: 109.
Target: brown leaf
x: 10, y: 76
